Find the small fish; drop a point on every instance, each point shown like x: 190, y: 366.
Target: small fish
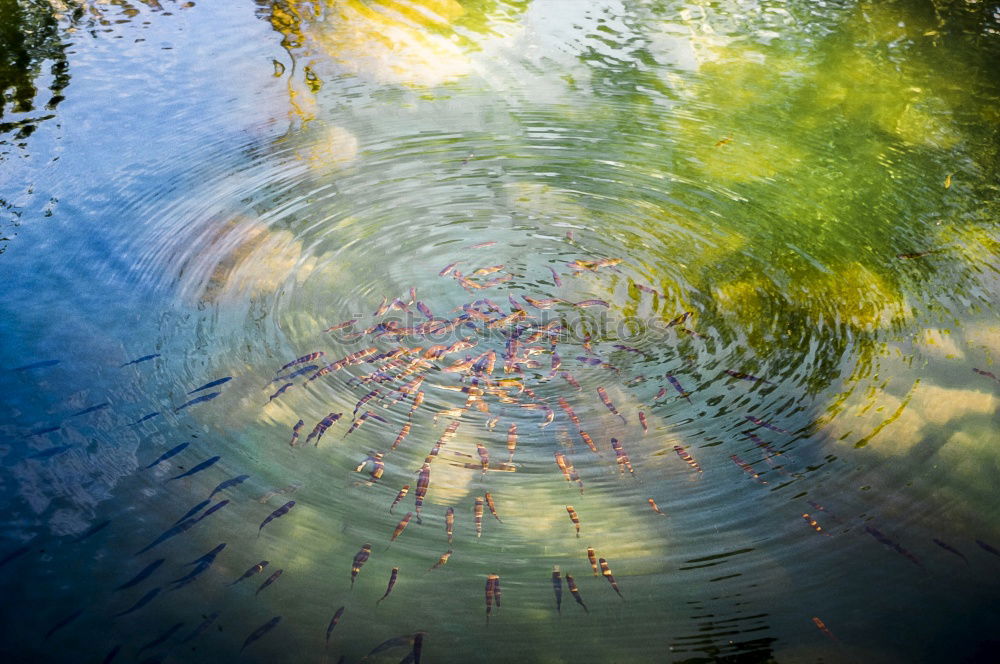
x: 569, y: 379
x: 642, y: 421
x: 449, y: 523
x: 197, y: 400
x: 365, y: 399
x: 161, y: 638
x: 399, y: 497
x: 763, y: 445
x: 766, y: 425
x: 579, y: 265
x: 256, y: 569
x: 555, y: 276
x: 492, y: 506
x: 988, y: 374
x: 649, y: 289
x: 622, y: 457
x: 93, y: 530
x: 822, y: 627
x: 814, y: 525
x: 65, y: 621
x: 281, y: 390
x: 498, y: 280
x: 144, y: 358
x: 569, y: 411
x: 112, y: 654
x: 606, y: 571
x: 946, y: 547
x: 423, y: 481
x: 15, y: 554
x: 211, y: 510
x: 173, y: 531
x: 51, y: 452
x: 883, y: 539
x: 575, y: 592
x: 392, y: 581
x: 511, y: 442
x: 361, y: 420
x: 592, y: 303
x: 302, y: 360
x: 418, y: 399
x: 607, y: 402
x: 38, y: 365
x: 276, y: 514
x: 677, y: 386
x: 425, y: 310
x: 488, y: 270
x: 341, y: 326
x: 545, y: 303
x: 441, y: 561
x: 514, y: 304
x: 484, y: 457
x: 142, y: 575
x: 723, y: 141
x: 447, y: 269
x: 143, y: 601
x: 195, y: 573
x: 321, y: 428
x: 588, y: 440
x: 382, y: 308
x: 574, y: 518
x: 400, y: 527
x: 144, y: 418
x: 202, y: 627
x: 918, y: 254
x: 747, y: 468
x: 477, y: 516
x: 261, y: 631
x: 748, y: 377
x: 169, y: 453
x: 628, y: 349
x: 271, y: 579
x: 687, y: 457
x: 492, y: 589
x: 563, y: 465
x: 656, y: 508
x: 482, y: 245
x: 557, y: 587
x: 194, y: 510
x: 231, y: 482
x: 43, y: 431
x: 295, y: 432
x: 592, y: 557
x: 197, y: 469
x: 220, y: 381
x: 208, y: 557
x: 92, y: 409
x: 360, y: 558
x: 333, y: 623
x: 986, y: 547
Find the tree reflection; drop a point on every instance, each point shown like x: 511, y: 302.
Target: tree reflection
x: 32, y: 60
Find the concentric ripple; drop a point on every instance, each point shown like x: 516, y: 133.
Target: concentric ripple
x: 691, y: 304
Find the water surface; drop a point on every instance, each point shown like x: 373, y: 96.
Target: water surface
x: 215, y: 185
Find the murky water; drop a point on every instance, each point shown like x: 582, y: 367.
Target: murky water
x: 768, y: 227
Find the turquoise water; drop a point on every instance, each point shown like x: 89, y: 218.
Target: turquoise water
x: 217, y: 185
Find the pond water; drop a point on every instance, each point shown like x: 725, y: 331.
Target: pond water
x: 746, y: 250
